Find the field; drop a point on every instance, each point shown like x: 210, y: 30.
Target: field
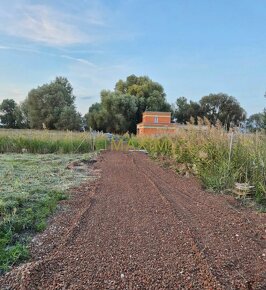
x: 45, y: 141
x: 30, y: 187
x: 32, y: 184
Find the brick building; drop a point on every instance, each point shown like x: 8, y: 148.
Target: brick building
x: 156, y: 123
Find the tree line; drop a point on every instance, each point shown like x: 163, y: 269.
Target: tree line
x: 52, y: 106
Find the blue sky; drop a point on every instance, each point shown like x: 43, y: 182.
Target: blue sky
x: 191, y: 47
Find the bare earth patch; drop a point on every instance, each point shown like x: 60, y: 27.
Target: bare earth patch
x: 139, y: 226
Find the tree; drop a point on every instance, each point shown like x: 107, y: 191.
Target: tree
x: 24, y: 109
x: 150, y: 95
x: 184, y: 110
x: 69, y: 119
x: 116, y: 113
x: 223, y: 108
x: 181, y: 110
x: 264, y: 120
x: 46, y: 103
x: 121, y: 110
x: 93, y: 117
x: 255, y: 122
x: 11, y: 115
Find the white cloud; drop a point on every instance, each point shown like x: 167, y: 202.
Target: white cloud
x: 11, y: 91
x: 62, y: 23
x: 81, y: 60
x: 40, y: 23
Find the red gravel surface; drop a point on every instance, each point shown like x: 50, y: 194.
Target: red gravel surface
x: 139, y: 226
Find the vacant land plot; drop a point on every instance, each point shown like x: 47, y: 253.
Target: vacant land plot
x: 140, y: 226
x: 30, y: 186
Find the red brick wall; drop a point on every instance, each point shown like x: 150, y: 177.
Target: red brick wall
x: 154, y: 131
x: 150, y: 118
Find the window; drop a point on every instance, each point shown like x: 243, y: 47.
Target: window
x: 156, y: 119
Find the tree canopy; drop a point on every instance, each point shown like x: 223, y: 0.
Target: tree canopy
x: 184, y: 110
x: 11, y: 115
x: 256, y: 122
x: 224, y: 108
x: 215, y: 107
x: 51, y: 104
x: 120, y: 110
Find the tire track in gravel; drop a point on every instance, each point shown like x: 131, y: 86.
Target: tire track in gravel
x: 140, y: 226
x: 210, y: 281
x: 181, y: 202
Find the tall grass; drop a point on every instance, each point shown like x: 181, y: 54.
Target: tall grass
x: 44, y: 141
x: 218, y: 157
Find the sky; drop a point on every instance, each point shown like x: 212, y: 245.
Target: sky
x: 191, y: 47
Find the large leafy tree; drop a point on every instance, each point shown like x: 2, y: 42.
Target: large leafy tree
x: 184, y: 110
x: 50, y: 103
x: 224, y: 108
x: 255, y: 122
x: 120, y: 110
x: 116, y: 113
x: 11, y: 115
x: 150, y: 95
x: 69, y: 119
x: 93, y: 117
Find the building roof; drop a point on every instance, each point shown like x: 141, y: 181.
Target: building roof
x: 157, y: 113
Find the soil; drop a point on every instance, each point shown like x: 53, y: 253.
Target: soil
x: 140, y: 226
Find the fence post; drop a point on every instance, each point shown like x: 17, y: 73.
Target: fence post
x: 230, y: 149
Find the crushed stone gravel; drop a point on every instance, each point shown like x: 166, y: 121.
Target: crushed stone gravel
x: 140, y: 226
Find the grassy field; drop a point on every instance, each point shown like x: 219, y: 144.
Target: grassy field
x: 45, y: 141
x: 30, y: 187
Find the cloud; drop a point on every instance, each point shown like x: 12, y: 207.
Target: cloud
x: 62, y: 23
x: 81, y: 60
x: 42, y: 24
x: 21, y: 48
x: 12, y: 91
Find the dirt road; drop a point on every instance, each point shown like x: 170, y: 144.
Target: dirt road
x: 139, y: 226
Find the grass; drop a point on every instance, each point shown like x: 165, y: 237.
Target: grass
x: 218, y: 158
x: 45, y: 141
x: 30, y: 188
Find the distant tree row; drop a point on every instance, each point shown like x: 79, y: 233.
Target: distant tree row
x: 51, y: 106
x: 218, y: 108
x: 214, y: 107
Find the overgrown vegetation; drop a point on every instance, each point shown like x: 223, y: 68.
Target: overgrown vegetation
x: 30, y: 187
x: 45, y: 141
x: 219, y: 158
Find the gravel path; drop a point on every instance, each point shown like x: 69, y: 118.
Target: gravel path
x: 139, y: 226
